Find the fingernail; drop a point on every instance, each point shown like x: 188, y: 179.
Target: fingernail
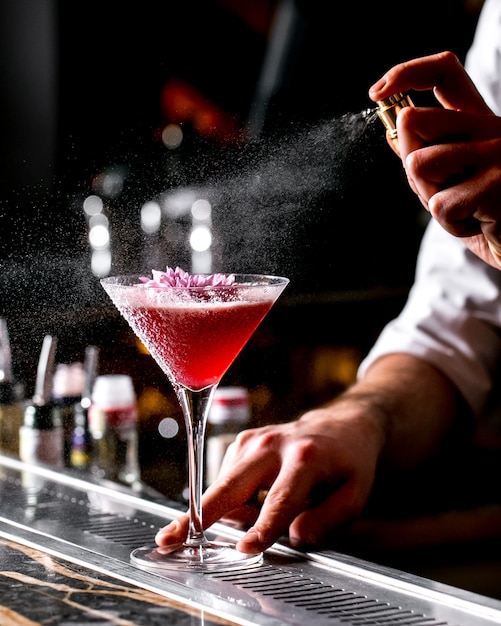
x: 251, y: 536
x: 171, y: 528
x: 299, y: 541
x: 377, y: 87
x: 251, y: 543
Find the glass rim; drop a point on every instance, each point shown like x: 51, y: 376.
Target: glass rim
x: 244, y: 280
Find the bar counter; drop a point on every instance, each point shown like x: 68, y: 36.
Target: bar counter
x: 65, y: 547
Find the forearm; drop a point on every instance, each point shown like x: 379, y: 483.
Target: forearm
x: 416, y: 407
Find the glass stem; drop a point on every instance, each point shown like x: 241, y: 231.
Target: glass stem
x: 195, y: 406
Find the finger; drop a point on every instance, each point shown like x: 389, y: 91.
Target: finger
x: 422, y: 126
x: 174, y: 532
x: 279, y: 510
x: 471, y: 207
x: 451, y: 174
x: 290, y: 494
x: 495, y: 251
x: 460, y: 183
x: 232, y: 455
x: 314, y: 525
x: 230, y: 493
x: 424, y: 180
x: 441, y: 72
x: 480, y: 247
x: 242, y: 517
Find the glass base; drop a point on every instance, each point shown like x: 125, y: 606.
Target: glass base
x: 209, y: 556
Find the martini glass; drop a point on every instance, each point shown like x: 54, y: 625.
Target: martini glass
x: 194, y: 333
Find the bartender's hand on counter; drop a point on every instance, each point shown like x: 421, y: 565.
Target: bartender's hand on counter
x: 317, y: 472
x: 301, y: 478
x: 451, y: 154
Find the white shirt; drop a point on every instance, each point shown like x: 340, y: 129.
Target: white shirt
x: 452, y: 317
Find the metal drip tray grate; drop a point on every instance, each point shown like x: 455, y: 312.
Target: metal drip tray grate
x: 98, y: 526
x: 324, y: 600
x: 121, y: 531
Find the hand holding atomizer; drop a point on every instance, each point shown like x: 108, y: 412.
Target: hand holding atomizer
x: 451, y: 153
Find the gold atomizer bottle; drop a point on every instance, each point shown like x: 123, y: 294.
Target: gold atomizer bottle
x: 388, y: 110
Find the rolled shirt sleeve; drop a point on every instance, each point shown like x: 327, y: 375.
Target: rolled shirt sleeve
x: 451, y: 318
x: 483, y: 61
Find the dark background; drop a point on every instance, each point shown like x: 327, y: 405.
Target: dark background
x: 81, y: 87
x: 302, y: 180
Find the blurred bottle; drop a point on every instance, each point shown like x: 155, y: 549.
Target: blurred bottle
x: 228, y: 415
x: 11, y: 403
x: 113, y: 426
x: 81, y: 439
x: 67, y: 388
x: 41, y: 436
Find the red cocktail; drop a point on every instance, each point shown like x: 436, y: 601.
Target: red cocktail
x: 196, y: 344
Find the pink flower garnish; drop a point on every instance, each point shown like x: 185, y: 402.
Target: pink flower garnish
x: 180, y: 278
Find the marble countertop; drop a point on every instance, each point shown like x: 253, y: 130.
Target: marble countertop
x: 37, y: 589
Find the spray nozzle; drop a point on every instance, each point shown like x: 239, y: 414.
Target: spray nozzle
x: 389, y: 108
